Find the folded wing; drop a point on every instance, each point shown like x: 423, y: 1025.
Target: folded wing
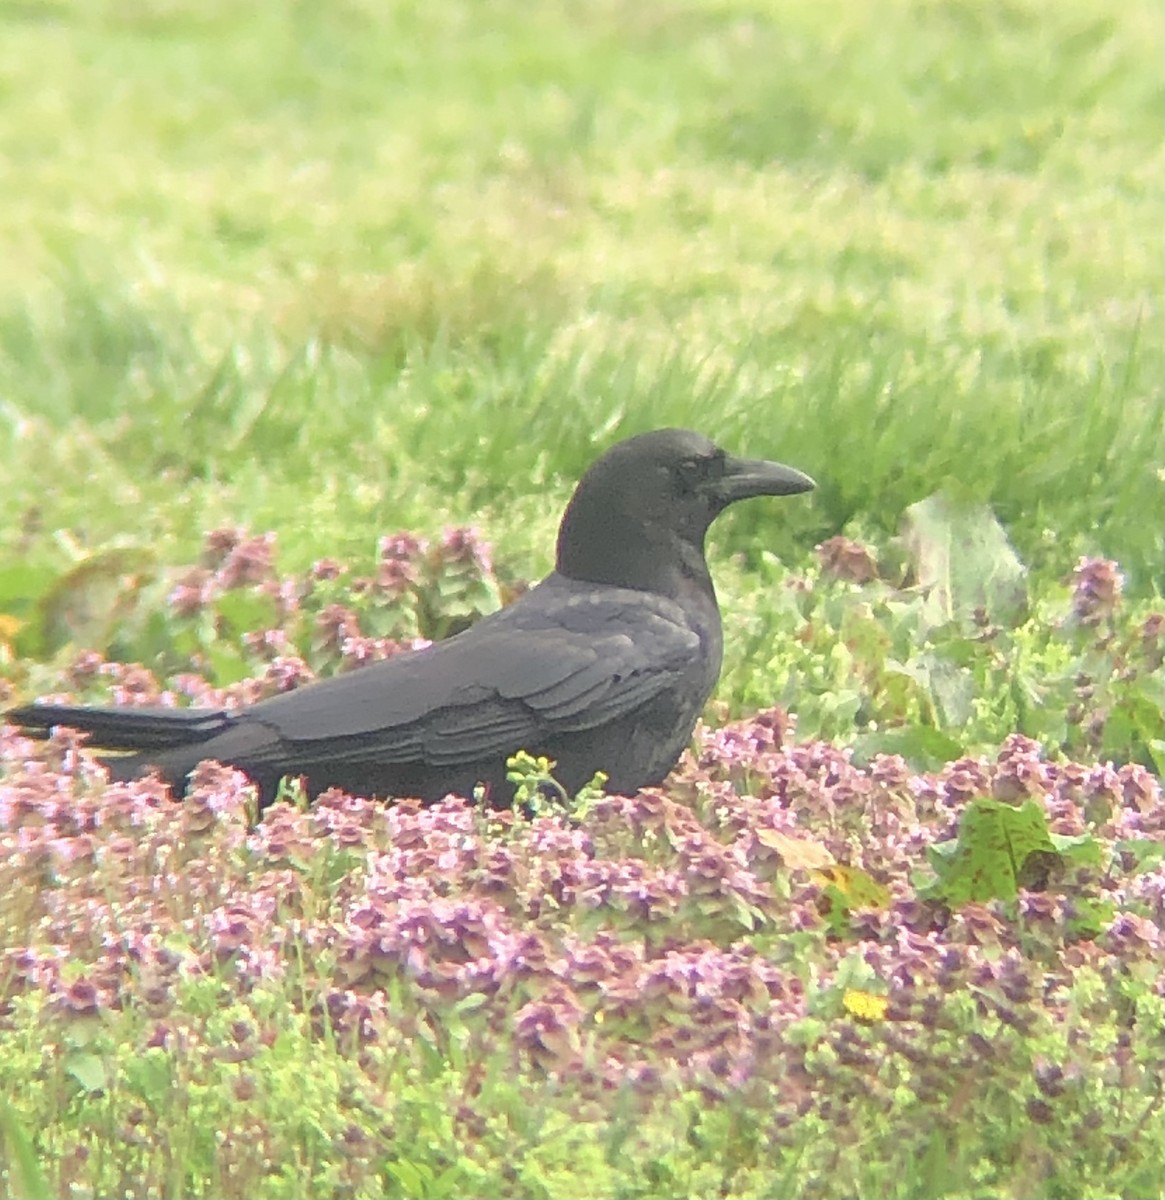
x: 494, y: 689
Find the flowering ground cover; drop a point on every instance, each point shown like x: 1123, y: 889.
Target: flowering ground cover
x: 336, y: 270
x: 782, y: 974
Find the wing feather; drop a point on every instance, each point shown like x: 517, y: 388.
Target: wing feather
x: 496, y: 687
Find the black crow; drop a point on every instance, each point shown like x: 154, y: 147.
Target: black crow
x: 603, y: 666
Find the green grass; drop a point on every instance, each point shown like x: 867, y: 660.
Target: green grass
x: 412, y: 265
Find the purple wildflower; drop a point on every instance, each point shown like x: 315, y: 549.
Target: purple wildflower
x: 192, y: 591
x: 249, y: 560
x: 845, y: 559
x: 1096, y: 589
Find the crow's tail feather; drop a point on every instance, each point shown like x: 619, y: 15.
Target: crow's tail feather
x: 145, y: 728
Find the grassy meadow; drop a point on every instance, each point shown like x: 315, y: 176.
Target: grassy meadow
x: 337, y: 272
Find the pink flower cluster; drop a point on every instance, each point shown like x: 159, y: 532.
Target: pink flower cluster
x: 679, y: 934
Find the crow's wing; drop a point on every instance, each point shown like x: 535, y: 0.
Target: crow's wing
x: 500, y: 685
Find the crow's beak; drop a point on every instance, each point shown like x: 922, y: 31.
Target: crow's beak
x: 754, y: 477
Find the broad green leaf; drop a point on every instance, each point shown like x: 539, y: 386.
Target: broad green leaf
x: 999, y: 849
x: 246, y: 611
x: 88, y: 1070
x: 924, y: 747
x: 85, y: 604
x: 21, y: 584
x: 1081, y: 850
x: 952, y: 690
x: 961, y: 556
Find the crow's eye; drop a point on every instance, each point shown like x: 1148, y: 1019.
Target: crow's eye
x: 690, y: 472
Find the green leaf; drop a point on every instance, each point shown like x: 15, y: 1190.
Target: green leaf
x: 150, y: 1076
x: 1147, y: 853
x: 1090, y: 916
x: 84, y: 605
x: 744, y: 912
x: 20, y: 1158
x: 924, y: 747
x: 226, y: 664
x: 1080, y: 850
x: 410, y: 1177
x: 246, y: 611
x: 1135, y: 721
x: 999, y: 849
x: 951, y: 688
x: 845, y: 888
x: 21, y: 584
x: 88, y: 1070
x: 961, y: 556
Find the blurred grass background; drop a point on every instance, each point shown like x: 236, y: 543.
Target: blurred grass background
x: 340, y: 269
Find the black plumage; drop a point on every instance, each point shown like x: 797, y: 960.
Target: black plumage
x: 604, y: 665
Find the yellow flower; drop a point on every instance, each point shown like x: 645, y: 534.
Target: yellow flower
x: 10, y: 626
x: 866, y: 1006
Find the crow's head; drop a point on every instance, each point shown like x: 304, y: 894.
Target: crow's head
x: 647, y: 503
